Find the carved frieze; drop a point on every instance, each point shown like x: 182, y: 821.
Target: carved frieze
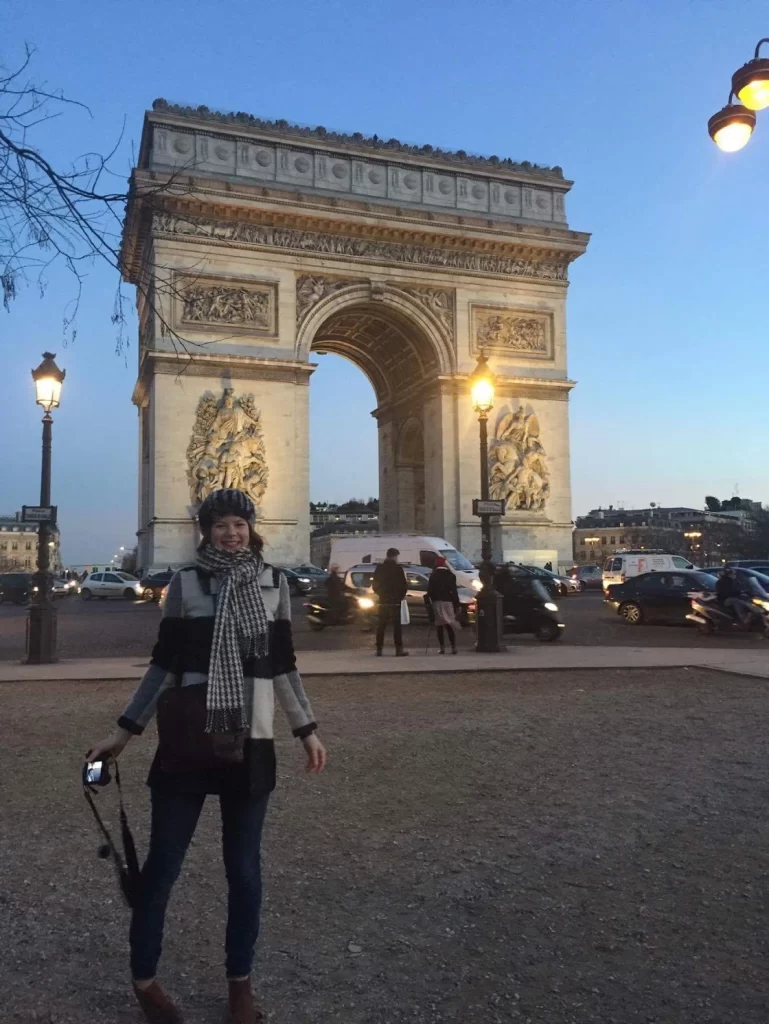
x: 358, y: 249
x: 519, y: 473
x: 240, y: 305
x: 526, y: 333
x: 227, y: 447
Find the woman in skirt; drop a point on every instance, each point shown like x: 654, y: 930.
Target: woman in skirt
x: 444, y: 598
x: 224, y: 652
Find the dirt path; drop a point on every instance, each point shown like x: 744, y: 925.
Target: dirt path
x: 536, y: 848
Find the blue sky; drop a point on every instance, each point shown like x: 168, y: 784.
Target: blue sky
x: 667, y: 311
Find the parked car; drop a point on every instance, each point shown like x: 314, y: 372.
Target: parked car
x: 155, y: 583
x: 16, y: 587
x: 565, y: 585
x: 658, y: 596
x: 590, y: 576
x: 627, y: 564
x: 358, y: 579
x: 297, y: 584
x: 110, y: 584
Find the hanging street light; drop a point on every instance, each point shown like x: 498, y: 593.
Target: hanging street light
x: 41, y: 646
x: 733, y: 125
x: 489, y: 620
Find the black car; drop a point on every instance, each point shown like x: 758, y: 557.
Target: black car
x: 15, y: 587
x: 155, y: 583
x: 658, y: 596
x: 511, y: 569
x: 759, y: 564
x: 296, y: 584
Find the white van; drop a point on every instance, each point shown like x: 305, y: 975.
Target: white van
x: 625, y: 564
x: 368, y: 548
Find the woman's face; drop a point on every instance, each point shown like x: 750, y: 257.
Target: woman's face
x: 230, y: 533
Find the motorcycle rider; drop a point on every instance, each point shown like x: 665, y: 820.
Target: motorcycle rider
x: 336, y: 596
x: 728, y: 594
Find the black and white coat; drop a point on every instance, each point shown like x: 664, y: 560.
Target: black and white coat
x: 181, y: 656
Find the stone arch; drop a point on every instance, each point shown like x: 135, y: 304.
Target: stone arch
x: 384, y: 330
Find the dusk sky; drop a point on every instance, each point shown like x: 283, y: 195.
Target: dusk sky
x: 667, y: 311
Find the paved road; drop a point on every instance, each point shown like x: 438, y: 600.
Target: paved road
x: 120, y: 628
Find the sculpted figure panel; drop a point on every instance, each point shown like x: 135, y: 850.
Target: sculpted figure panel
x: 519, y: 473
x: 517, y: 331
x: 227, y: 447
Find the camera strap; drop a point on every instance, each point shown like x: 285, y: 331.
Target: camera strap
x: 127, y: 863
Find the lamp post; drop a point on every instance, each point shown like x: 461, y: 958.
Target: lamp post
x: 693, y: 537
x: 733, y: 125
x: 489, y: 601
x: 41, y: 647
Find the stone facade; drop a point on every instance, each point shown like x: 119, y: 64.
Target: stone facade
x: 254, y: 244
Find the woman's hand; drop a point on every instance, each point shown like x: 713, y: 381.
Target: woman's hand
x: 316, y: 753
x: 112, y: 746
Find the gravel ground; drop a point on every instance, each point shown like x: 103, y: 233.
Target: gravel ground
x: 556, y: 848
x: 120, y: 628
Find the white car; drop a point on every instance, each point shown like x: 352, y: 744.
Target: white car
x: 63, y: 588
x: 110, y: 584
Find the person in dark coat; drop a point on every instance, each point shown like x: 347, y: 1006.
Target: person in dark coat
x: 335, y: 593
x: 549, y: 566
x: 444, y: 598
x: 390, y: 587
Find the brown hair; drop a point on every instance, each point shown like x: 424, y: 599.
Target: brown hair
x: 255, y: 542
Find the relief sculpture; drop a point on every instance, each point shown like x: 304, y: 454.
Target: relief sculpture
x: 239, y: 307
x: 227, y: 447
x: 519, y: 474
x: 512, y: 332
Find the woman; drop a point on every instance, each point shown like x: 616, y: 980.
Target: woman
x: 443, y: 595
x: 224, y: 650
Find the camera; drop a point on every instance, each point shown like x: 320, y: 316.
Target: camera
x: 96, y: 773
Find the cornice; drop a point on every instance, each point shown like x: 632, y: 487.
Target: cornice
x: 164, y: 112
x: 158, y: 361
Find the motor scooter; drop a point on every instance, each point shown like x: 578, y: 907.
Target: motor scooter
x: 358, y: 609
x: 712, y: 617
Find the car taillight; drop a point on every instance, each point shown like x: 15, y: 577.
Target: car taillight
x: 471, y: 607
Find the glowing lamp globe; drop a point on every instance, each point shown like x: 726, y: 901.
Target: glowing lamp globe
x: 482, y: 386
x: 732, y: 127
x: 48, y: 379
x: 751, y: 84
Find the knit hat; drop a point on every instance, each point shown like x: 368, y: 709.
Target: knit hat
x: 226, y: 502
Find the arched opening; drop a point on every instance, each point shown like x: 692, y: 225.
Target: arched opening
x: 399, y: 358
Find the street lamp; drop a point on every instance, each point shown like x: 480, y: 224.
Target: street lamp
x: 489, y: 611
x: 41, y: 648
x: 733, y: 125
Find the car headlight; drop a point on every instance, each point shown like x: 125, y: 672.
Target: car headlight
x: 761, y: 603
x: 476, y: 584
x: 305, y: 579
x: 551, y: 607
x: 365, y: 603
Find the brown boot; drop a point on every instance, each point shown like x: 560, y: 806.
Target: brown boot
x: 156, y: 1006
x: 242, y: 1007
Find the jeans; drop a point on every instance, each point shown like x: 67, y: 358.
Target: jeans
x: 174, y: 818
x: 740, y: 609
x: 389, y: 613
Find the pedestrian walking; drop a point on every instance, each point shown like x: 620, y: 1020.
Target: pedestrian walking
x: 389, y: 585
x: 549, y: 566
x: 224, y: 650
x: 444, y: 598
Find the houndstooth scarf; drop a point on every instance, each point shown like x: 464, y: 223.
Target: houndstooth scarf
x: 240, y: 631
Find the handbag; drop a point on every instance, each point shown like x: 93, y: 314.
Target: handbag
x: 405, y: 617
x: 184, y: 744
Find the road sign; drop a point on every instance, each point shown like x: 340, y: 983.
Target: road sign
x: 488, y: 507
x: 38, y: 513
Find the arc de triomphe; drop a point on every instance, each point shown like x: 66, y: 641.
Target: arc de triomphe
x: 255, y: 243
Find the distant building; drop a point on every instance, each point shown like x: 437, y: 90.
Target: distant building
x: 706, y: 538
x: 18, y: 545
